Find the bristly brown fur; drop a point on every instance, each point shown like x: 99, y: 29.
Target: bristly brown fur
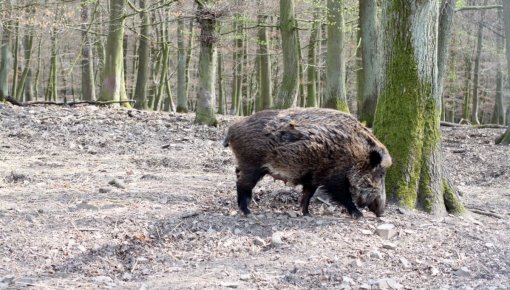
x: 315, y: 148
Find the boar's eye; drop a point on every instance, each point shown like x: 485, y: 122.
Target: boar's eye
x: 375, y: 158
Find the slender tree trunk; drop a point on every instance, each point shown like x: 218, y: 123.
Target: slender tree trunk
x: 221, y: 93
x: 113, y: 72
x: 265, y: 80
x: 88, y: 86
x: 15, y: 59
x: 467, y: 92
x: 336, y: 96
x: 189, y: 54
x: 51, y: 90
x: 311, y: 72
x: 505, y: 138
x: 301, y: 75
x: 27, y: 45
x: 144, y: 59
x: 287, y: 95
x: 182, y: 97
x: 408, y: 110
x: 446, y: 12
x: 367, y: 97
x: 6, y: 62
x: 206, y: 99
x: 476, y: 77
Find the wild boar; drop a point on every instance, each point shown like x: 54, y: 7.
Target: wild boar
x: 315, y: 148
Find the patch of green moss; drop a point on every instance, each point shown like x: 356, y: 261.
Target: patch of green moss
x: 451, y: 201
x: 337, y: 104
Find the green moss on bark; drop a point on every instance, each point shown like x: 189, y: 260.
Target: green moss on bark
x: 451, y: 201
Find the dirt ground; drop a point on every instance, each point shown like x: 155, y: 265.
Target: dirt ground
x: 100, y: 198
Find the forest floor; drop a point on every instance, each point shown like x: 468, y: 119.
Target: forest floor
x: 100, y: 198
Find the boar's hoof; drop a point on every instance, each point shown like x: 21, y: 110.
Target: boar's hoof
x: 355, y: 214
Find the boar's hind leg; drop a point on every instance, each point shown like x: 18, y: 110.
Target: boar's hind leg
x: 308, y: 192
x: 246, y: 181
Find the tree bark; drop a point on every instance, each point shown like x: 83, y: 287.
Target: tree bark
x: 367, y: 96
x: 336, y: 96
x: 287, y: 95
x: 408, y: 110
x: 205, y: 113
x: 144, y: 58
x: 476, y: 75
x: 498, y: 115
x: 505, y: 138
x: 112, y: 87
x: 265, y: 80
x: 51, y: 89
x: 446, y: 13
x: 311, y: 71
x: 5, y: 62
x: 182, y: 96
x: 88, y: 86
x: 28, y: 41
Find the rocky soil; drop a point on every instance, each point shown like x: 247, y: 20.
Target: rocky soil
x: 101, y: 198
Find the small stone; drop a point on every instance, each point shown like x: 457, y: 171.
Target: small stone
x: 117, y: 183
x: 376, y: 255
x: 356, y: 263
x: 401, y: 210
x: 386, y: 231
x: 489, y: 245
x: 433, y: 271
x: 276, y: 239
x: 259, y: 242
x: 366, y: 232
x: 127, y: 276
x: 230, y: 284
x: 292, y: 214
x: 244, y: 277
x: 365, y: 287
x: 405, y: 263
x: 237, y: 231
x: 463, y: 272
x: 389, y: 246
x: 104, y: 190
x: 142, y: 260
x: 348, y: 280
x: 82, y: 248
x: 102, y: 279
x: 145, y: 271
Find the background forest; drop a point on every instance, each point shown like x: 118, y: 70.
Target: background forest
x: 55, y: 50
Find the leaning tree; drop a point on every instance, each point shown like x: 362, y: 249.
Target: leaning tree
x: 408, y: 111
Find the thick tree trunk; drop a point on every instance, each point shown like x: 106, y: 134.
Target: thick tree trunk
x: 88, y: 86
x: 28, y: 41
x: 265, y: 81
x: 408, y: 110
x: 144, y: 58
x: 336, y: 96
x: 505, y: 138
x: 369, y: 74
x: 206, y: 99
x: 287, y: 96
x: 112, y: 87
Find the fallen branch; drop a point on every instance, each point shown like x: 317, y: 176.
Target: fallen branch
x: 486, y: 213
x: 97, y: 103
x: 482, y: 126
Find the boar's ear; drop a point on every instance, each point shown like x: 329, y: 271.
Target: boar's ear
x: 374, y: 158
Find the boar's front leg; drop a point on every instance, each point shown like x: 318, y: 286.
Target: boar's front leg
x: 247, y: 178
x: 339, y: 189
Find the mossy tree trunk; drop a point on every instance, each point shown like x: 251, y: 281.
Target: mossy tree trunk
x: 144, y: 58
x: 113, y: 88
x: 206, y: 99
x: 336, y: 96
x: 505, y: 138
x: 265, y: 82
x: 408, y: 110
x: 287, y: 95
x: 28, y: 41
x: 369, y: 74
x: 5, y: 58
x: 51, y: 89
